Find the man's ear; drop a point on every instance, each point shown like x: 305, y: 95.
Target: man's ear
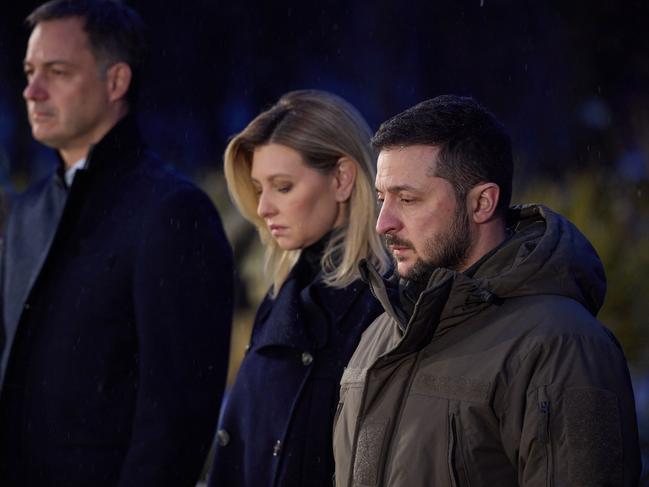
x: 344, y: 178
x: 118, y: 79
x: 483, y: 201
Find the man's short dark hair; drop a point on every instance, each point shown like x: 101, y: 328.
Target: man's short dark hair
x: 115, y: 31
x: 474, y: 146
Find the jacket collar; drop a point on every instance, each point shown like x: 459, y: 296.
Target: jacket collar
x: 448, y: 299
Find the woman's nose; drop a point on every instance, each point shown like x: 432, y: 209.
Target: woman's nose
x: 265, y: 207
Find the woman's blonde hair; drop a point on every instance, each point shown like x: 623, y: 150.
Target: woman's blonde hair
x: 322, y: 128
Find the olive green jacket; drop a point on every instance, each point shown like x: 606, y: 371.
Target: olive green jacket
x: 501, y: 379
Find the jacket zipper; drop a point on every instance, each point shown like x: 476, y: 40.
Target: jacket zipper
x: 385, y: 302
x: 544, y: 434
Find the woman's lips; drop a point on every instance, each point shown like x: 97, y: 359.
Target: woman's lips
x: 276, y: 230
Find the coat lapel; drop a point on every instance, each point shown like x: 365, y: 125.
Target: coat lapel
x: 29, y: 236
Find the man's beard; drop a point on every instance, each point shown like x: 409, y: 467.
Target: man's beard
x: 448, y: 249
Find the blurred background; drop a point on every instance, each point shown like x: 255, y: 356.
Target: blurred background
x: 570, y: 79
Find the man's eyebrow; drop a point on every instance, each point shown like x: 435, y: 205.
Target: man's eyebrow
x: 399, y: 188
x: 49, y: 63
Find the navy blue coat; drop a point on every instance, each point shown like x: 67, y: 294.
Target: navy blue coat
x: 116, y: 312
x: 276, y: 423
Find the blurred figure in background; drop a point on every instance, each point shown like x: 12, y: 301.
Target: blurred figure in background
x: 116, y: 290
x: 302, y: 173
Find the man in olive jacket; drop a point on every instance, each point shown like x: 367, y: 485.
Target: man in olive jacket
x: 116, y: 289
x: 488, y: 367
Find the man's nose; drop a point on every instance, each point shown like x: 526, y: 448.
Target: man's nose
x: 387, y: 221
x: 35, y: 89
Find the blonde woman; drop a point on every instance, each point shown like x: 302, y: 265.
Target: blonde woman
x: 303, y: 173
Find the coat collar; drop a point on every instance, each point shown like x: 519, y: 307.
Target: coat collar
x: 301, y: 316
x: 115, y: 154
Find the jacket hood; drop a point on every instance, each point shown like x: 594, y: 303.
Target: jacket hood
x: 545, y: 255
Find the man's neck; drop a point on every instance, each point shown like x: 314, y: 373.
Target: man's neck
x: 488, y: 239
x: 71, y: 155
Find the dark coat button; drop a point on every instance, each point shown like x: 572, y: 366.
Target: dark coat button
x: 307, y: 358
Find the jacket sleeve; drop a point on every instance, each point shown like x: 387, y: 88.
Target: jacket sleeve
x: 183, y: 285
x: 570, y: 418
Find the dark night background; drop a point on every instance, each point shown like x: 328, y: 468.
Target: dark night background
x: 570, y: 79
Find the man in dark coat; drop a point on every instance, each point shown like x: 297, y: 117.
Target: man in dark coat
x: 116, y: 279
x: 488, y: 367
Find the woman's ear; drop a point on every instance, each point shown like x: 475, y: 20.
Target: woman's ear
x: 118, y: 79
x: 344, y: 178
x: 483, y: 201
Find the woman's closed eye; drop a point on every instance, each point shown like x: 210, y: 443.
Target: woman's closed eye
x: 284, y: 188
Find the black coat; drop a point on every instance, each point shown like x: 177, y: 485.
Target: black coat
x: 116, y: 312
x: 276, y: 423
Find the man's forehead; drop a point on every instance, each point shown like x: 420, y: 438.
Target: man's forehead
x: 406, y: 165
x: 64, y: 38
x: 415, y: 153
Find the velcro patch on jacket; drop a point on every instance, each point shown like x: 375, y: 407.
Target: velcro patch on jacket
x: 458, y: 387
x: 594, y: 437
x: 353, y: 376
x: 368, y: 453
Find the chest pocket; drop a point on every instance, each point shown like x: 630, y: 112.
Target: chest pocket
x: 459, y: 423
x: 351, y: 383
x: 457, y: 467
x: 344, y: 425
